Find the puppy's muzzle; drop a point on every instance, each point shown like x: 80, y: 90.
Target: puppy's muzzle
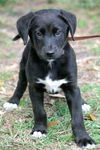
x: 50, y: 54
x: 50, y: 51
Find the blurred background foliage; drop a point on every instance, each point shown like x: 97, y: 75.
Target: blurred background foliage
x: 81, y: 3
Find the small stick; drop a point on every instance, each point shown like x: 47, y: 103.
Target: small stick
x: 83, y: 37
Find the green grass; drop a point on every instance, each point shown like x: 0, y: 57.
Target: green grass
x: 59, y: 136
x: 50, y: 1
x: 8, y: 55
x: 60, y: 133
x: 82, y: 23
x: 15, y: 127
x: 5, y: 75
x: 7, y: 2
x: 94, y: 48
x: 3, y: 23
x: 87, y: 3
x: 5, y: 41
x: 12, y: 11
x: 3, y: 2
x: 93, y: 93
x: 95, y: 51
x: 89, y: 43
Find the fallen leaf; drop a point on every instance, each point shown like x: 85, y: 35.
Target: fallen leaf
x: 93, y: 69
x: 53, y: 123
x: 92, y: 117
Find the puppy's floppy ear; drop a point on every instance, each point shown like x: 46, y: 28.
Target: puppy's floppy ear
x: 70, y: 19
x: 23, y: 25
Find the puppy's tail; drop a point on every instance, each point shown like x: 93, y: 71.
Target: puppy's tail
x: 16, y: 37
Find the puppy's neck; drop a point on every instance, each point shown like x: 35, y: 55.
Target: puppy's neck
x: 50, y: 63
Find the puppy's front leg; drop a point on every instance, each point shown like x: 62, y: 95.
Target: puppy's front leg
x: 40, y: 118
x: 73, y: 97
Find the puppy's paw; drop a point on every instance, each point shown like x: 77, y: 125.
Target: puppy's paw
x: 38, y: 134
x: 89, y: 146
x: 39, y: 131
x: 10, y: 106
x: 86, y: 108
x: 86, y: 143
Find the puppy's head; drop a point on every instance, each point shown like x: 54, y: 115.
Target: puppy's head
x: 48, y: 31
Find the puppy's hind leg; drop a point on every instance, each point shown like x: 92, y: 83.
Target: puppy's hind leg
x: 73, y: 98
x: 21, y: 87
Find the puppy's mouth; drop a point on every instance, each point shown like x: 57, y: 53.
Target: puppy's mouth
x: 55, y: 56
x: 50, y: 58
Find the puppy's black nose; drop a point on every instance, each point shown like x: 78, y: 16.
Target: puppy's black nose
x: 50, y: 54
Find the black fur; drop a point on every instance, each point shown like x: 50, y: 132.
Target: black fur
x: 48, y: 31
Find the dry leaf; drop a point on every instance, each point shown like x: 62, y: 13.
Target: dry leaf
x: 91, y: 116
x: 1, y: 83
x: 93, y: 69
x: 53, y: 123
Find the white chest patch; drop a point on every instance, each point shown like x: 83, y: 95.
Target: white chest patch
x: 52, y: 86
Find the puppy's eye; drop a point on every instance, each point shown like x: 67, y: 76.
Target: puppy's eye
x: 56, y: 32
x: 38, y: 34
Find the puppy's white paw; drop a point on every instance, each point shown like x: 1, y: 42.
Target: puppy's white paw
x: 86, y: 108
x: 38, y: 134
x: 89, y: 146
x: 10, y: 106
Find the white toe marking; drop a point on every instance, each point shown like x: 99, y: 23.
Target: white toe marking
x: 86, y: 108
x: 89, y: 146
x: 10, y: 106
x: 37, y: 134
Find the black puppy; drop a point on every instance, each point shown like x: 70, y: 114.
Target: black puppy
x: 48, y: 65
